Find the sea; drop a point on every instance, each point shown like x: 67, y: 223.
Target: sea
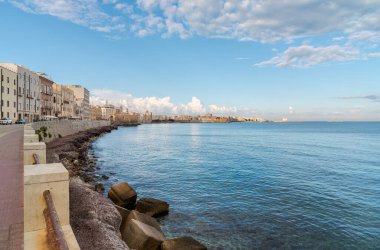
x: 306, y: 185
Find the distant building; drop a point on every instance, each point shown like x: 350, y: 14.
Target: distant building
x: 107, y: 111
x: 8, y: 93
x: 57, y: 100
x: 28, y: 92
x: 146, y: 117
x: 68, y: 102
x: 95, y: 113
x: 82, y: 98
x: 46, y: 89
x: 63, y: 101
x: 125, y: 118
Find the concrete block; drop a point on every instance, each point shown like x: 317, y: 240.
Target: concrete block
x: 31, y: 138
x: 183, y: 243
x: 29, y: 132
x: 123, y: 195
x: 38, y: 148
x: 143, y: 236
x: 152, y: 207
x: 37, y: 179
x: 37, y: 240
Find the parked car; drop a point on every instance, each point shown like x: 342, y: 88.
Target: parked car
x: 20, y: 121
x: 5, y: 121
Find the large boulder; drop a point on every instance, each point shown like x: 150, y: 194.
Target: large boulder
x: 152, y: 207
x: 141, y: 236
x: 94, y: 219
x: 183, y: 243
x: 123, y: 195
x: 150, y: 221
x: 124, y: 213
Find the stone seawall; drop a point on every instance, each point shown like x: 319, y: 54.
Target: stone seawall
x: 61, y: 128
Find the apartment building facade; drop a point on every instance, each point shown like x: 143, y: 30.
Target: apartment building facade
x: 57, y: 100
x: 68, y: 101
x: 82, y: 99
x: 95, y: 113
x: 8, y: 94
x: 46, y: 89
x: 28, y: 92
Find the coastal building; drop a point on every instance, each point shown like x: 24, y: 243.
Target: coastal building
x: 68, y: 101
x: 63, y: 101
x: 147, y: 117
x: 107, y: 111
x: 57, y: 100
x: 28, y: 92
x: 8, y: 93
x: 82, y: 99
x: 95, y: 113
x: 46, y: 89
x: 125, y: 118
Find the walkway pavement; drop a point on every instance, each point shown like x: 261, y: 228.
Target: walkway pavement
x: 11, y: 187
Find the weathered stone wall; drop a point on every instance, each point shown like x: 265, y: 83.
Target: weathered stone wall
x: 67, y: 127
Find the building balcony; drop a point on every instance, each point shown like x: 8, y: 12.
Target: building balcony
x: 29, y: 96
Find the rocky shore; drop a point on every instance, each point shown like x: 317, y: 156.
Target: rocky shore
x: 115, y: 223
x: 72, y: 152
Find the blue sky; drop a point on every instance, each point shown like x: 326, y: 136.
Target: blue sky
x: 304, y: 60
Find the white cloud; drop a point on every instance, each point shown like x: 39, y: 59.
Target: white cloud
x: 356, y: 24
x: 290, y: 110
x: 307, y: 55
x: 163, y: 105
x: 375, y: 54
x: 125, y: 8
x: 245, y: 20
x: 87, y: 13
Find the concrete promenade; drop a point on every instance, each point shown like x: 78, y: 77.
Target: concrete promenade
x: 11, y: 187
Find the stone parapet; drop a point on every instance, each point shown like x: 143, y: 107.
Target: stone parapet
x: 38, y: 148
x: 61, y: 128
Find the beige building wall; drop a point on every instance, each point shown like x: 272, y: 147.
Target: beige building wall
x: 8, y: 94
x: 57, y: 100
x: 28, y: 93
x: 82, y: 98
x: 108, y: 111
x: 95, y: 113
x: 68, y: 102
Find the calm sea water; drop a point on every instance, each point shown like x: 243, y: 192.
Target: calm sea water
x: 255, y: 186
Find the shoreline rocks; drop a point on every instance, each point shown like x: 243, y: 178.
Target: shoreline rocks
x: 152, y: 207
x: 182, y: 243
x: 123, y: 195
x: 99, y: 223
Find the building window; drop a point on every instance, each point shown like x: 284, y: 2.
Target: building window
x: 7, y: 103
x: 14, y: 91
x: 14, y: 104
x: 7, y: 90
x: 14, y: 115
x: 8, y: 114
x: 7, y: 79
x: 2, y: 89
x: 14, y: 82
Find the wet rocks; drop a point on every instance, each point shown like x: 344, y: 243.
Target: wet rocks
x: 141, y: 236
x: 99, y: 187
x: 144, y: 219
x: 182, y: 243
x: 123, y: 195
x: 72, y: 151
x: 152, y: 207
